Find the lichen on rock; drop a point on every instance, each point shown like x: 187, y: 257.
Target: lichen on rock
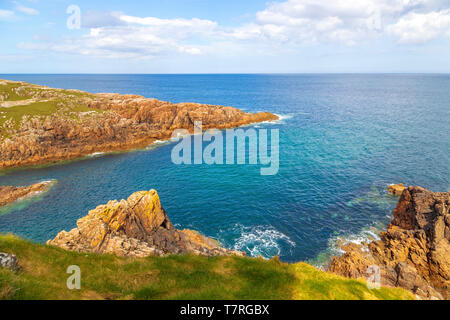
x: 136, y: 227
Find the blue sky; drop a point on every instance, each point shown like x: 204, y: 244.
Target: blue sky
x: 216, y: 36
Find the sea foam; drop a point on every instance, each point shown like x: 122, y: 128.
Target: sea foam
x: 262, y: 240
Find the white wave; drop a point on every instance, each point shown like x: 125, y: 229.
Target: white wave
x: 281, y: 119
x: 335, y: 244
x: 365, y: 236
x: 284, y: 116
x: 95, y: 154
x: 158, y: 143
x: 262, y: 240
x: 22, y: 202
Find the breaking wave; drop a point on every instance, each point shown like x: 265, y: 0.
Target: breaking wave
x: 336, y: 243
x: 262, y: 240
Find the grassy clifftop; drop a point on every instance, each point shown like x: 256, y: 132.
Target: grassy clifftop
x: 43, y: 276
x: 21, y: 99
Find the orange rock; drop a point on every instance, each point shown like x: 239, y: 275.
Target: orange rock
x: 123, y: 122
x: 396, y: 189
x: 136, y: 227
x: 10, y: 194
x: 414, y: 253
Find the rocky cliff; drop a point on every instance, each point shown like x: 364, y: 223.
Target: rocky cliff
x: 136, y: 227
x: 10, y: 194
x: 414, y: 253
x: 41, y: 124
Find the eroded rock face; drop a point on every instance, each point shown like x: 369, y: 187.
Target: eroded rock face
x: 10, y: 194
x: 414, y: 253
x: 9, y: 261
x: 118, y: 122
x: 136, y: 227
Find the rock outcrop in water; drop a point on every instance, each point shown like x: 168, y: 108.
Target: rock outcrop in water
x: 10, y: 194
x: 137, y: 227
x: 396, y: 189
x: 414, y: 253
x: 65, y: 124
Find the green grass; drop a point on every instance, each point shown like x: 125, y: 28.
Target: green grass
x: 39, y: 108
x: 43, y: 276
x: 8, y: 89
x: 63, y: 103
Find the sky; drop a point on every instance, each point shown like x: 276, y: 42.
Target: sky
x: 217, y: 36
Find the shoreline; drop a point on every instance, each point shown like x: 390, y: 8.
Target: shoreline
x: 10, y: 195
x: 84, y: 123
x: 155, y: 143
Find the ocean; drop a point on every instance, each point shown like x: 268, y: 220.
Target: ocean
x: 343, y: 139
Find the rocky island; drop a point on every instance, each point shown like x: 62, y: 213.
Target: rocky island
x: 41, y: 125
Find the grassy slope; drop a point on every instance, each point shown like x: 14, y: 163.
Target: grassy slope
x: 43, y: 276
x: 56, y: 98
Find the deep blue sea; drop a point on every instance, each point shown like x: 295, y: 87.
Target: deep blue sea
x: 343, y: 140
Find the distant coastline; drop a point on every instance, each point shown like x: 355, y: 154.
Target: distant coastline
x: 40, y: 125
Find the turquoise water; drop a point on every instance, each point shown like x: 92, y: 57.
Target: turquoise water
x: 343, y: 139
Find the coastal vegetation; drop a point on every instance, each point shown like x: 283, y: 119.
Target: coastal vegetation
x: 20, y: 101
x: 103, y: 276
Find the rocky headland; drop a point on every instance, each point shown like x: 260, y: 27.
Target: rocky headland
x: 40, y: 125
x: 136, y: 227
x: 414, y: 253
x: 9, y: 194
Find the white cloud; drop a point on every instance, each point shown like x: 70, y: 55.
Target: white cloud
x: 139, y: 38
x: 144, y: 37
x: 6, y: 14
x: 339, y: 21
x: 97, y: 19
x: 26, y: 10
x: 421, y: 27
x: 282, y: 26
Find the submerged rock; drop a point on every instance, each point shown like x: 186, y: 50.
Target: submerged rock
x: 10, y: 194
x: 414, y: 253
x: 396, y: 189
x: 136, y: 227
x: 9, y: 261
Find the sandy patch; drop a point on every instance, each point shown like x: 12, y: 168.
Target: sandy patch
x: 10, y: 104
x: 6, y: 82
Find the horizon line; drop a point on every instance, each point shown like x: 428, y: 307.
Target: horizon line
x: 234, y: 73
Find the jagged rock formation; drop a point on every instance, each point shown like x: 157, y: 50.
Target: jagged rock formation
x: 137, y: 227
x: 84, y: 123
x: 9, y: 261
x: 414, y: 253
x: 10, y: 194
